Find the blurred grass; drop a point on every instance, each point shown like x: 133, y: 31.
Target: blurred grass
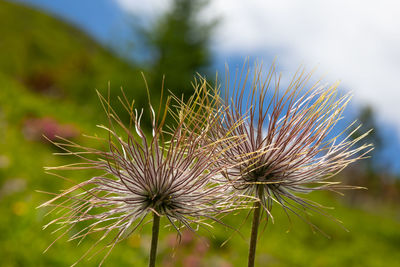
x: 36, y: 46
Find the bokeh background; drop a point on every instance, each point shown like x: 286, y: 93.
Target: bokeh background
x: 55, y: 54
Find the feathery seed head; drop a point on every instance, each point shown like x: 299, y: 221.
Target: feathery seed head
x: 287, y: 144
x: 167, y: 173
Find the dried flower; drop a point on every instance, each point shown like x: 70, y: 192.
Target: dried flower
x: 167, y: 174
x: 288, y: 146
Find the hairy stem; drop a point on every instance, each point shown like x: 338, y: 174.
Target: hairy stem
x: 154, y: 240
x: 254, y: 228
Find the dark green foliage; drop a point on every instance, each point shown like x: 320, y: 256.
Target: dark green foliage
x: 367, y: 118
x: 369, y: 169
x: 179, y: 45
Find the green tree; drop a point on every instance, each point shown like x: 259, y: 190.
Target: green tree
x: 179, y: 47
x: 367, y: 119
x: 368, y: 172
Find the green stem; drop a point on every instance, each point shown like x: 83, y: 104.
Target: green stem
x: 254, y: 228
x: 154, y: 240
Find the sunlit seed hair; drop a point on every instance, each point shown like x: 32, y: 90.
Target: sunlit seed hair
x: 288, y: 146
x: 168, y: 174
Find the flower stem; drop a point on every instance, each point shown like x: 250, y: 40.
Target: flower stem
x: 254, y: 228
x: 154, y: 240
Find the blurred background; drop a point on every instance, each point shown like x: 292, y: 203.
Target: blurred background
x: 54, y: 54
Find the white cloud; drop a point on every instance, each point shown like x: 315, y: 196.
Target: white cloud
x: 355, y: 41
x: 146, y: 8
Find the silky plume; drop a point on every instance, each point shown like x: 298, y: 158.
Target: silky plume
x: 167, y: 173
x: 287, y: 147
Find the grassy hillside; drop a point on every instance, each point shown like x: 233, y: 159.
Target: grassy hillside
x: 55, y: 59
x: 48, y: 73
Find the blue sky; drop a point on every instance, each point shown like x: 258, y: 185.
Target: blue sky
x: 102, y: 19
x: 355, y: 42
